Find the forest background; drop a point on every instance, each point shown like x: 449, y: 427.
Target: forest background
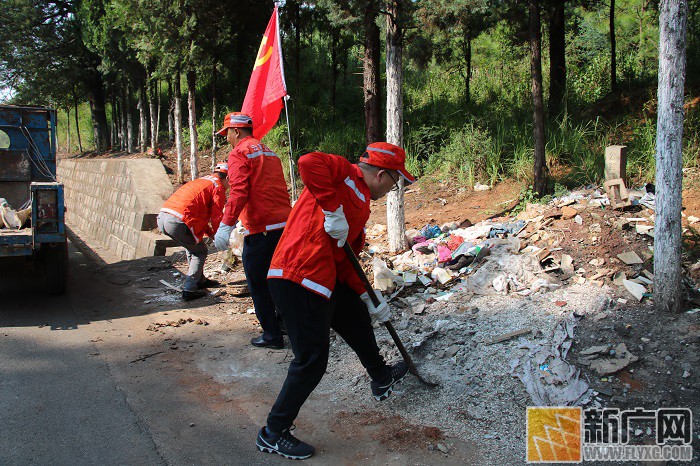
x: 120, y: 68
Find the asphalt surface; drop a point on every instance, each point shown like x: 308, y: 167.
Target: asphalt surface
x: 65, y: 399
x: 86, y: 379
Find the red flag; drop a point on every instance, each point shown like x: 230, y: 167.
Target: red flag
x: 263, y: 100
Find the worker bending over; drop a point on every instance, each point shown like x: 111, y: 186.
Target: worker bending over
x: 195, y: 210
x: 316, y: 288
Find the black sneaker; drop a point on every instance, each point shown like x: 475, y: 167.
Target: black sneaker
x: 284, y: 444
x: 190, y: 295
x: 383, y: 388
x: 260, y: 342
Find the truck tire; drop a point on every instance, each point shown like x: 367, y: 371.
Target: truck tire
x: 53, y: 265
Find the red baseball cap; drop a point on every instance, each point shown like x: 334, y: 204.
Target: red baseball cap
x: 235, y: 120
x: 387, y: 156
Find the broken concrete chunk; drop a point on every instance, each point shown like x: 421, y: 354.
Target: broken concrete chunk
x: 630, y: 258
x: 602, y: 349
x: 567, y: 263
x: 619, y: 278
x: 568, y: 212
x: 578, y: 219
x: 637, y: 290
x: 424, y: 280
x: 597, y: 262
x: 452, y: 350
x: 619, y: 361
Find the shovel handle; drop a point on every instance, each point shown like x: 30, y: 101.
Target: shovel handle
x: 392, y: 331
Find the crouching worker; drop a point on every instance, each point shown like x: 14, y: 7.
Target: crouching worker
x: 195, y: 210
x: 315, y: 286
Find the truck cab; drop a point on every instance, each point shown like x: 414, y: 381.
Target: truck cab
x: 32, y: 216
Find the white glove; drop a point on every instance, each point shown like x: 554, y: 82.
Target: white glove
x: 222, y: 236
x: 382, y: 312
x: 336, y: 225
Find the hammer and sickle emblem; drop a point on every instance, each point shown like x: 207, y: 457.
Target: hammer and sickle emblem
x: 261, y: 59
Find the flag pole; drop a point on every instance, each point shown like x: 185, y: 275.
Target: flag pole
x: 292, y: 177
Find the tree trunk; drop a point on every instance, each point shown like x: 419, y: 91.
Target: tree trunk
x: 557, y: 58
x: 371, y: 74
x: 124, y: 133
x: 114, y: 137
x: 77, y: 123
x: 171, y: 110
x: 213, y: 118
x: 613, y: 58
x: 100, y: 128
x: 191, y: 89
x: 177, y: 127
x: 540, y: 164
x: 143, y: 124
x: 335, y: 37
x: 468, y: 59
x: 673, y: 17
x: 129, y: 121
x: 153, y: 112
x: 67, y: 130
x: 395, y: 217
x: 158, y: 111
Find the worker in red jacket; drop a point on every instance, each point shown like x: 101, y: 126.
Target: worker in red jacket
x: 316, y: 288
x: 259, y: 197
x: 195, y: 210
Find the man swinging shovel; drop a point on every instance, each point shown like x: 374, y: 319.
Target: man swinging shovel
x: 316, y: 288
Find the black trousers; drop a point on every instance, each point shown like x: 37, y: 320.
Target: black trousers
x: 257, y: 255
x: 309, y: 318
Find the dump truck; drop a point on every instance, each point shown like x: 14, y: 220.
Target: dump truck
x: 32, y: 210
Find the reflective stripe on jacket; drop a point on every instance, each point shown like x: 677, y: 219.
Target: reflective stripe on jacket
x: 198, y: 203
x: 305, y: 253
x: 258, y: 193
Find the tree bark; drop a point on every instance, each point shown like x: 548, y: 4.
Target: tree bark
x: 540, y: 164
x: 171, y: 110
x: 177, y: 127
x: 143, y: 125
x: 673, y: 17
x: 466, y: 32
x: 158, y: 110
x: 67, y: 129
x: 557, y: 58
x: 153, y: 113
x: 191, y: 90
x: 114, y: 136
x: 613, y: 53
x: 395, y: 216
x: 129, y: 121
x: 100, y: 128
x: 77, y: 123
x: 371, y: 74
x: 213, y: 118
x: 124, y: 106
x: 335, y: 38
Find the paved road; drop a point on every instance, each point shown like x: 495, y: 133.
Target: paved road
x: 60, y: 400
x: 86, y: 380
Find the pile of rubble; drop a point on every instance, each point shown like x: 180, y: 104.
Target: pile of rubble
x: 528, y: 253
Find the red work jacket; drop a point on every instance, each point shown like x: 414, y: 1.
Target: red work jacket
x: 258, y: 193
x: 198, y: 203
x: 306, y: 254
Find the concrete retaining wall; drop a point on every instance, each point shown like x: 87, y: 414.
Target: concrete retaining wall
x: 116, y: 202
